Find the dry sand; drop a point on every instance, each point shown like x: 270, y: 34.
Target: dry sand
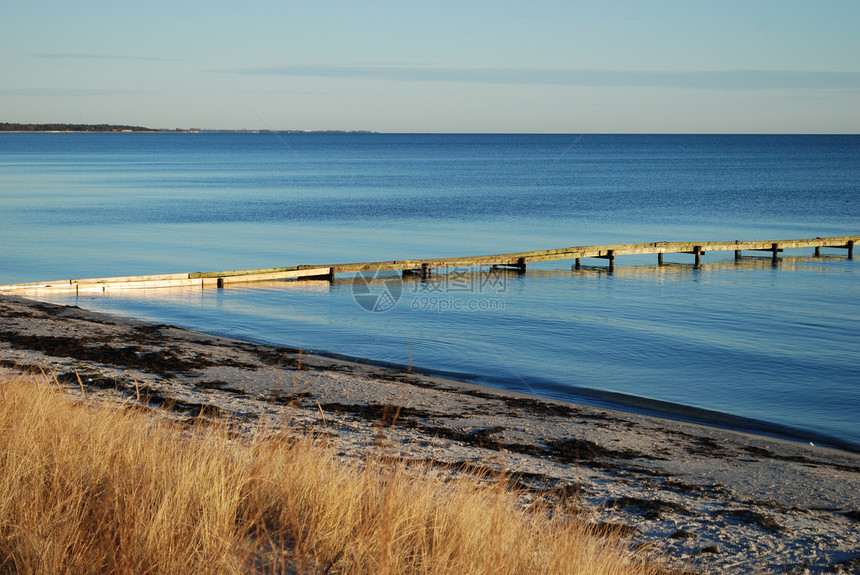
x: 714, y: 499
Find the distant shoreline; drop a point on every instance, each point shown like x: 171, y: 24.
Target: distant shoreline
x: 95, y: 132
x: 19, y: 128
x: 77, y: 128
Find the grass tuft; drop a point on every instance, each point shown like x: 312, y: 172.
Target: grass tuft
x: 89, y: 487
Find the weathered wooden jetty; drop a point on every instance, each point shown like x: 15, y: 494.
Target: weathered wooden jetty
x: 425, y: 266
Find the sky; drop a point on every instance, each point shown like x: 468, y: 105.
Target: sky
x: 533, y: 66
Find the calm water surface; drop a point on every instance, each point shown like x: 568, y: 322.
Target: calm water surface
x: 777, y: 344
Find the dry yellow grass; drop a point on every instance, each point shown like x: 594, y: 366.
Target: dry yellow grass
x: 96, y: 488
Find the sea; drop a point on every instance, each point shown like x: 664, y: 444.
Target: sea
x: 770, y: 347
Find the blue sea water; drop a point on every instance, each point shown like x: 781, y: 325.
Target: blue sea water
x: 776, y: 344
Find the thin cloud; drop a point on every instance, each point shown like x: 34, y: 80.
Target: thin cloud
x: 65, y: 92
x: 703, y: 80
x: 84, y: 56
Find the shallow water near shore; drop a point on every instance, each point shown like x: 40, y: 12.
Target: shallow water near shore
x: 772, y: 343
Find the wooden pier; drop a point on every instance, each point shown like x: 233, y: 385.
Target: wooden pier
x: 424, y: 267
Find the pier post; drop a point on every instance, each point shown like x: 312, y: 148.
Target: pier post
x: 659, y: 258
x: 521, y: 265
x: 775, y: 249
x: 850, y: 245
x: 425, y: 270
x: 697, y: 252
x: 737, y: 255
x: 220, y: 283
x: 576, y: 264
x: 817, y: 253
x: 610, y: 255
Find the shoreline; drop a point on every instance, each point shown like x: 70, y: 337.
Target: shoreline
x: 616, y: 401
x: 712, y: 497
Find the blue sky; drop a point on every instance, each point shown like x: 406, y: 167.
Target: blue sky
x: 468, y: 66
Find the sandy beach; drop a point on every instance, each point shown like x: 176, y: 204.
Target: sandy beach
x: 709, y: 498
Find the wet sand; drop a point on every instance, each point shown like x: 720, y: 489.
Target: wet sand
x: 713, y: 498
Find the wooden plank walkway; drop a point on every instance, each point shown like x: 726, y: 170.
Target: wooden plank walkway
x: 195, y: 279
x: 517, y: 261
